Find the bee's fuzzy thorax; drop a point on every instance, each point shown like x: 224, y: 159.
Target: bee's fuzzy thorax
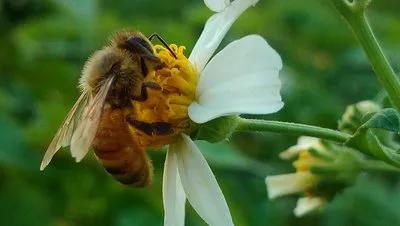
x: 119, y: 40
x: 99, y: 65
x: 120, y: 37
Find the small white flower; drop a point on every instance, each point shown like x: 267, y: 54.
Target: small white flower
x: 241, y: 78
x: 303, y: 181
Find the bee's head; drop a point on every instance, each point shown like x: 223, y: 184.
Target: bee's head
x: 134, y: 42
x: 138, y: 44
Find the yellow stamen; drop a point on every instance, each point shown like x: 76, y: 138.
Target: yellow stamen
x: 304, y: 163
x: 178, y: 80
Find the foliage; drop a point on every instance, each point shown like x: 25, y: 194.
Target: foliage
x: 374, y: 137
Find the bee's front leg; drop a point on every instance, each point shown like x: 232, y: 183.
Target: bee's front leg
x: 151, y: 129
x: 150, y: 61
x: 143, y: 92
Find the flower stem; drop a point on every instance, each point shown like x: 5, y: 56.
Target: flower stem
x: 245, y: 125
x: 354, y: 13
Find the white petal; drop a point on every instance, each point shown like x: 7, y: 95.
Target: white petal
x: 289, y: 183
x: 303, y: 143
x: 242, y: 78
x: 200, y: 185
x: 215, y: 30
x: 308, y: 204
x: 307, y: 141
x: 174, y: 197
x: 217, y: 5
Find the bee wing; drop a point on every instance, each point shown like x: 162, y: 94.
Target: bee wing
x: 67, y: 136
x: 64, y: 133
x: 89, y: 122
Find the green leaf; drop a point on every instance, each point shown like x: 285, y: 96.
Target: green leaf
x: 373, y: 136
x: 386, y: 119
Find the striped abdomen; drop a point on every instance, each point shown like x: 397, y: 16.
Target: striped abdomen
x: 119, y: 153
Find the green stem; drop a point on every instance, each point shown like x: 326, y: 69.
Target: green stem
x: 354, y: 13
x: 248, y: 125
x: 378, y: 165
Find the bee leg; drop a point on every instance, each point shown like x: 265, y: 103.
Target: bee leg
x: 156, y: 63
x: 143, y: 93
x: 151, y: 129
x: 152, y: 58
x: 143, y: 66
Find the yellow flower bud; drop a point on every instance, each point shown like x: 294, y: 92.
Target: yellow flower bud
x: 352, y: 118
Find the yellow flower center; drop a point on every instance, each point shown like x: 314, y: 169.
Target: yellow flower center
x: 178, y: 80
x: 306, y: 160
x: 304, y: 163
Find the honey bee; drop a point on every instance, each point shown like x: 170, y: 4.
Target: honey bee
x: 112, y: 78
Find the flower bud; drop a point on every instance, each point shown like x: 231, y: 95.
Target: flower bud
x: 322, y: 170
x: 352, y: 118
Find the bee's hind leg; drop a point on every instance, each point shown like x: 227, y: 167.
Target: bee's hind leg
x: 154, y: 128
x: 143, y: 93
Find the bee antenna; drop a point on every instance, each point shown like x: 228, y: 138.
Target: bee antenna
x: 163, y: 42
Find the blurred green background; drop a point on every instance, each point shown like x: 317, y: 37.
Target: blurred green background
x: 44, y: 43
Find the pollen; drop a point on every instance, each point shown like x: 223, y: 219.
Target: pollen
x: 178, y: 80
x: 304, y: 163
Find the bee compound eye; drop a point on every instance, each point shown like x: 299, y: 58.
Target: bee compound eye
x: 139, y: 43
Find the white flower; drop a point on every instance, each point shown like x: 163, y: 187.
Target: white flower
x: 241, y: 78
x: 303, y: 181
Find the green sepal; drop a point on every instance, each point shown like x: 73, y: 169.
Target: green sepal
x: 317, y: 154
x: 338, y: 174
x: 216, y: 130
